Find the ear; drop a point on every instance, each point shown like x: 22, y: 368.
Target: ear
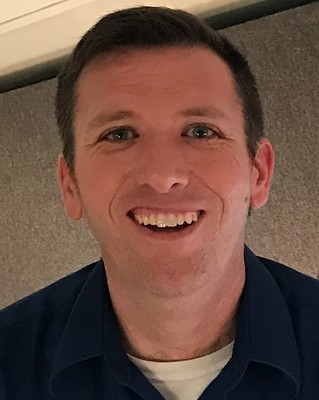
x: 262, y: 173
x: 69, y: 191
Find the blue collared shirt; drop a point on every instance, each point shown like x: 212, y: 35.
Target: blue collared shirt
x: 64, y: 343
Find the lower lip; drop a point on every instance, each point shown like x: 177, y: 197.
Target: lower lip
x: 169, y: 236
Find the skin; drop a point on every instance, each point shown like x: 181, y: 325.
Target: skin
x: 174, y: 300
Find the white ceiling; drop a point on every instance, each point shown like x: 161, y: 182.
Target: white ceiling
x: 33, y: 32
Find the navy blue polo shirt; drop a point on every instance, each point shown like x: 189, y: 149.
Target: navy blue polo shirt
x: 64, y: 343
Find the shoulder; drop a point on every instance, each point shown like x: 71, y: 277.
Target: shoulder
x: 301, y: 296
x: 46, y: 300
x: 298, y: 289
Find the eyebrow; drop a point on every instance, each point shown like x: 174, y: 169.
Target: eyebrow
x: 203, y: 111
x: 198, y: 111
x: 104, y: 118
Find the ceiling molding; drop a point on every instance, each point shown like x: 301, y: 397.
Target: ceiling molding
x: 50, y: 32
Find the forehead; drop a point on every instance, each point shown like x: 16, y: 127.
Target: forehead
x: 202, y: 62
x: 158, y: 78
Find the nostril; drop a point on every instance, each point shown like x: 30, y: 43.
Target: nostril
x: 162, y: 180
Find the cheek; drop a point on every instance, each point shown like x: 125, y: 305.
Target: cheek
x: 98, y: 180
x: 227, y: 173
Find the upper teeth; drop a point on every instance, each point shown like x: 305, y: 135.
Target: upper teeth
x: 167, y: 220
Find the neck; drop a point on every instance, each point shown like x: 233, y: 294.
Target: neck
x: 196, y: 325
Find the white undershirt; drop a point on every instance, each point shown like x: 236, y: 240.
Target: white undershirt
x: 184, y: 380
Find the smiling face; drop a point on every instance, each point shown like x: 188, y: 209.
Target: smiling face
x: 161, y: 131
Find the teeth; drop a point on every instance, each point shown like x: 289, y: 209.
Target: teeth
x: 171, y: 220
x: 152, y: 219
x: 139, y: 219
x: 167, y: 220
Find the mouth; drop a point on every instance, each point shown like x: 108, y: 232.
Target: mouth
x: 167, y: 233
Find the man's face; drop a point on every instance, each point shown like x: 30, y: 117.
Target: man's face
x: 161, y: 131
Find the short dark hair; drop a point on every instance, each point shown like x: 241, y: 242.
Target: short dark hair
x: 154, y: 27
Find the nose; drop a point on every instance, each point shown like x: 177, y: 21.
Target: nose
x: 163, y: 168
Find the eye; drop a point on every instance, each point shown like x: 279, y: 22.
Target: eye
x: 120, y: 135
x: 202, y: 132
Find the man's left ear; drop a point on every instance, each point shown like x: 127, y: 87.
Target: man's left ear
x: 69, y: 191
x: 262, y: 173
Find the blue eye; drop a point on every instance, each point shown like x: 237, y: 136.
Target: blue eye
x: 202, y: 132
x: 119, y: 135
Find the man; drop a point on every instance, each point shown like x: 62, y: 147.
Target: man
x: 164, y: 156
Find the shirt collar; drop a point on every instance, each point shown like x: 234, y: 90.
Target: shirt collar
x: 83, y: 334
x: 265, y: 332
